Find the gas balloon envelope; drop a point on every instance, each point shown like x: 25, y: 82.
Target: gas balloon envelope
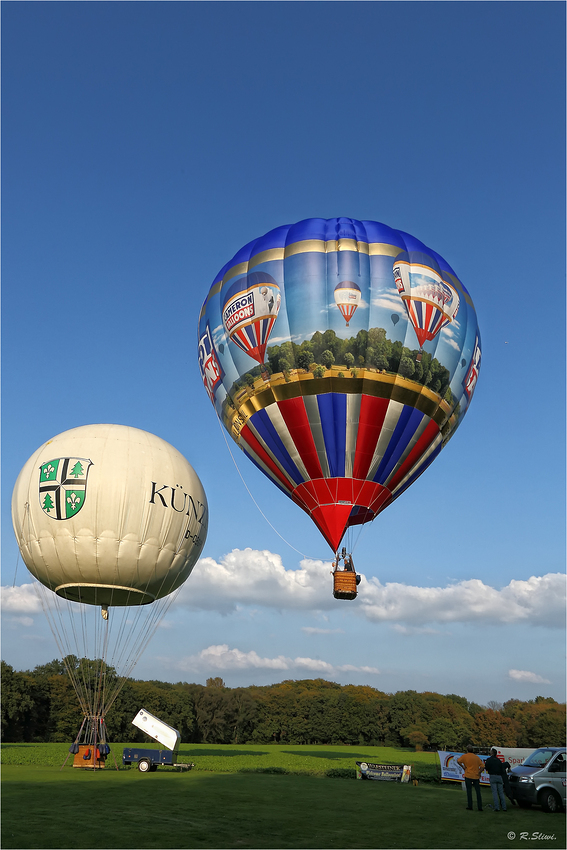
x: 110, y: 520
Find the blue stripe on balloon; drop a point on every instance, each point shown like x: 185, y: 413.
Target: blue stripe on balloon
x: 265, y: 471
x: 249, y: 331
x: 418, y: 307
x: 421, y: 469
x: 265, y: 429
x: 407, y: 424
x: 264, y: 329
x: 333, y: 408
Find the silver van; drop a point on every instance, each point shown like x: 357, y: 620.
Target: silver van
x: 540, y: 779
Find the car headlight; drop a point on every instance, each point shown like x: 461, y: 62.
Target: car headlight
x: 526, y: 779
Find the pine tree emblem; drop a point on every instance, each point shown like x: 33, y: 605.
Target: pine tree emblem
x: 63, y: 486
x: 47, y: 503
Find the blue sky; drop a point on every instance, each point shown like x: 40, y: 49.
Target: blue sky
x: 143, y: 145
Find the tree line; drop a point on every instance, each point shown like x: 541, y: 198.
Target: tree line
x: 40, y: 706
x: 368, y: 349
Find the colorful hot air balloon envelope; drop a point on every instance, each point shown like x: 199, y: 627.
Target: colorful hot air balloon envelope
x: 342, y: 418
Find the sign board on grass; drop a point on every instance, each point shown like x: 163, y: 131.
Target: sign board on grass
x: 385, y: 772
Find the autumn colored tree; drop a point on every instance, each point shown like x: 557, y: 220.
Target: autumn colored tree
x: 415, y: 736
x: 491, y: 728
x: 41, y: 705
x: 541, y: 722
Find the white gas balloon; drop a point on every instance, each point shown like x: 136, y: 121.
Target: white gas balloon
x: 109, y: 516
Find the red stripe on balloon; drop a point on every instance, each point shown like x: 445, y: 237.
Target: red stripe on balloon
x: 370, y: 421
x: 295, y: 417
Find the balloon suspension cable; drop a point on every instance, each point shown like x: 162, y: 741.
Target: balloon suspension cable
x: 354, y: 540
x: 99, y: 660
x: 16, y: 570
x: 308, y: 557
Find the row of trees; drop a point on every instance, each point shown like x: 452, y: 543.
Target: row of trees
x: 40, y: 705
x: 370, y: 349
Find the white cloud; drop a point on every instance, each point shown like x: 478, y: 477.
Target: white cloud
x: 450, y: 335
x: 252, y: 577
x: 314, y: 665
x: 416, y: 630
x: 312, y: 630
x: 349, y: 668
x: 221, y: 658
x: 22, y: 599
x: 389, y: 300
x: 22, y: 621
x: 527, y: 676
x: 540, y: 600
x: 259, y: 578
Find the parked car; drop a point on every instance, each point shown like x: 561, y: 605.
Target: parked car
x: 540, y: 779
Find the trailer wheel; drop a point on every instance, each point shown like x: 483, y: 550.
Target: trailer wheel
x: 144, y: 765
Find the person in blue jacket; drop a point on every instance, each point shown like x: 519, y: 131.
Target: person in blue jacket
x: 496, y: 772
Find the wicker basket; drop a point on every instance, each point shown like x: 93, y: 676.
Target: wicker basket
x: 344, y: 584
x: 90, y: 751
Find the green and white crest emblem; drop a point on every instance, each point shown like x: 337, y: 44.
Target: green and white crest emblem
x: 63, y: 486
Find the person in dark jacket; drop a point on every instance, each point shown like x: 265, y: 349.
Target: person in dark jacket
x: 496, y: 772
x: 507, y: 787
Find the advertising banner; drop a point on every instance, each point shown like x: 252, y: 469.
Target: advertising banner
x: 384, y: 772
x: 513, y: 755
x: 453, y: 771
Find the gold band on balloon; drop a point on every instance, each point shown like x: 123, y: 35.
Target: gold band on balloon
x: 319, y: 246
x: 249, y: 400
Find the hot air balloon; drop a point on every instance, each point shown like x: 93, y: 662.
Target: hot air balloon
x: 350, y: 416
x: 250, y: 309
x: 347, y: 298
x: 430, y: 299
x: 109, y: 520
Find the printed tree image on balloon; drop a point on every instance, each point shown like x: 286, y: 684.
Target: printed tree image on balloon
x: 364, y: 383
x: 110, y: 521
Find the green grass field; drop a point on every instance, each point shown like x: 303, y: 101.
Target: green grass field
x: 232, y: 800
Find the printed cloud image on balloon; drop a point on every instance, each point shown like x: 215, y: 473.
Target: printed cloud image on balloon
x: 352, y: 355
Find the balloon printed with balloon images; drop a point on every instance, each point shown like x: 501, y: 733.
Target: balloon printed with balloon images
x: 347, y: 392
